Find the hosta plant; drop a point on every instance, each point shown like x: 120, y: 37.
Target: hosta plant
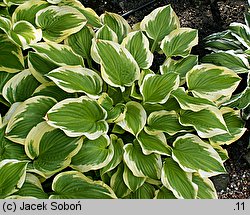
x: 89, y: 118
x: 231, y: 49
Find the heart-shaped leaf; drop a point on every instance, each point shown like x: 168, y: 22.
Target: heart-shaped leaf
x: 75, y: 185
x: 157, y: 88
x: 79, y: 116
x: 135, y: 118
x: 77, y: 79
x: 58, y: 22
x: 194, y: 155
x: 27, y: 115
x: 142, y: 165
x: 50, y: 149
x: 93, y: 155
x: 119, y: 68
x: 138, y: 45
x: 12, y: 173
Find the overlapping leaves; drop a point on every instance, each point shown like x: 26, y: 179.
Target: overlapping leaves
x: 91, y: 118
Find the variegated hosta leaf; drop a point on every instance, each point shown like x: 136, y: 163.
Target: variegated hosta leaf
x: 93, y: 155
x: 157, y: 88
x: 20, y: 197
x: 142, y: 165
x: 11, y: 57
x: 131, y: 181
x: 221, y: 151
x: 115, y: 113
x: 50, y: 149
x: 14, y: 2
x: 106, y: 101
x: 31, y: 188
x: 92, y: 18
x: 135, y: 118
x: 49, y: 56
x: 81, y: 42
x: 75, y: 185
x: 153, y: 143
x: 5, y: 24
x: 207, y: 122
x: 21, y: 32
x: 117, y: 23
x: 25, y: 34
x: 236, y: 62
x: 143, y: 73
x: 9, y: 149
x: 40, y: 65
x: 154, y: 181
x: 194, y: 155
x: 58, y: 53
x: 159, y: 23
x: 241, y: 100
x: 2, y: 3
x: 12, y: 174
x: 10, y: 112
x: 188, y: 102
x: 54, y: 1
x: 179, y: 42
x: 27, y: 11
x: 115, y: 94
x: 4, y: 78
x: 181, y: 67
x: 58, y: 23
x: 178, y: 181
x: 50, y: 89
x: 212, y: 82
x: 106, y: 33
x: 164, y: 193
x: 20, y: 87
x: 79, y: 116
x: 235, y: 127
x: 94, y: 52
x: 164, y: 121
x: 206, y: 189
x: 223, y: 43
x: 27, y: 115
x: 77, y: 79
x: 146, y: 191
x: 118, y: 68
x: 117, y: 183
x: 138, y: 45
x: 117, y: 145
x: 105, y: 177
x: 241, y: 32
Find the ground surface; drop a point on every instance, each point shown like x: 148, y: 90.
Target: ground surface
x: 207, y: 19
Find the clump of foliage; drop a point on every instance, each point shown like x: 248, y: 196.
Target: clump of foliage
x: 87, y: 116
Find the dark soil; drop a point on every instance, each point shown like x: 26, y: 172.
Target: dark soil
x: 192, y: 13
x: 207, y: 18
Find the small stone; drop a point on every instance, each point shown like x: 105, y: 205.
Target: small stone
x: 220, y: 181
